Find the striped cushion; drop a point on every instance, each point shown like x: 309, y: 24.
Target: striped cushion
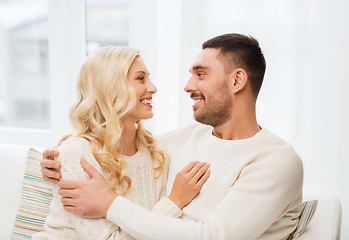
x: 308, y: 210
x: 35, y: 200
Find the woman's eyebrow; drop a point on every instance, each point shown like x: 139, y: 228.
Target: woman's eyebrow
x: 143, y: 72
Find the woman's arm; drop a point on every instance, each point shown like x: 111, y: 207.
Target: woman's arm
x: 187, y: 185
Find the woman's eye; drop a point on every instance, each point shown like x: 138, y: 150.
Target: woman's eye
x: 201, y: 74
x: 140, y: 78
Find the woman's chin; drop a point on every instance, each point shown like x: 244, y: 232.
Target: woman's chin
x: 146, y: 116
x: 149, y: 116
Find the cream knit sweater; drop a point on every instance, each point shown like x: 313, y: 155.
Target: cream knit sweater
x: 254, y: 190
x: 145, y: 190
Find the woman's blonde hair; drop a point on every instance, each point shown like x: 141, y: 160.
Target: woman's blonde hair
x: 104, y: 97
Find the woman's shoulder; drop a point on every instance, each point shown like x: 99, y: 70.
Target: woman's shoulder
x: 72, y: 150
x: 75, y: 143
x: 75, y: 147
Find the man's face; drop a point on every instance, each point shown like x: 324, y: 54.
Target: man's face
x: 209, y: 87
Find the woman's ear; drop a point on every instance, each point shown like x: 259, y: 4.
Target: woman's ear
x: 239, y: 80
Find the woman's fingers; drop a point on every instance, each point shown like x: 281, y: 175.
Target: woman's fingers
x: 188, y: 184
x: 200, y: 172
x: 188, y: 167
x: 195, y: 169
x: 204, y: 178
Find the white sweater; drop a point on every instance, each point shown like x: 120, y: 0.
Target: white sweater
x: 254, y: 190
x: 145, y: 190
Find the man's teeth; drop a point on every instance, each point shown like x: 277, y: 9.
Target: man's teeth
x: 147, y: 101
x: 196, y: 101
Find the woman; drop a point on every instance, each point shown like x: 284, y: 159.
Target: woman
x: 115, y: 94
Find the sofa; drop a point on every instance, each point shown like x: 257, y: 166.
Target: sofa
x: 12, y: 165
x: 13, y: 162
x: 321, y: 218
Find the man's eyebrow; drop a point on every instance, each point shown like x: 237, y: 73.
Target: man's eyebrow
x: 199, y: 67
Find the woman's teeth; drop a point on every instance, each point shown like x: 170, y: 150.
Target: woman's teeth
x: 147, y: 101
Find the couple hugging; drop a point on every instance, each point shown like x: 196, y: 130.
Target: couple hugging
x: 224, y: 178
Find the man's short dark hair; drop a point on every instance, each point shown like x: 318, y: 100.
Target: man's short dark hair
x: 240, y: 51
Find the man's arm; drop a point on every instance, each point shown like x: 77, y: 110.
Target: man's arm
x: 83, y: 197
x: 245, y: 213
x: 254, y: 202
x: 80, y: 196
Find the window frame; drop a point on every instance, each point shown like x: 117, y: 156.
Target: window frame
x: 67, y: 50
x: 158, y: 36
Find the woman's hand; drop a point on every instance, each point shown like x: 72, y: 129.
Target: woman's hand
x: 188, y: 183
x: 50, y: 170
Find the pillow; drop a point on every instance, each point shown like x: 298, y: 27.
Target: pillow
x: 308, y: 210
x: 35, y: 200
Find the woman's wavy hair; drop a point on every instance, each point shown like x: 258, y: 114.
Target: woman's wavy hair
x: 104, y: 97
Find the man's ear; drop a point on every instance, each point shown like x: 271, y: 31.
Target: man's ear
x: 238, y: 80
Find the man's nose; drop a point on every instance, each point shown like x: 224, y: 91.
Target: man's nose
x: 190, y: 87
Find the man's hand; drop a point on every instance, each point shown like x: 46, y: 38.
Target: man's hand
x: 49, y: 168
x: 87, y: 198
x: 188, y: 183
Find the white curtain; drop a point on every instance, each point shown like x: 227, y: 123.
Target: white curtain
x: 304, y: 98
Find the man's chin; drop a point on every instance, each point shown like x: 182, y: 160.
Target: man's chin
x: 199, y: 118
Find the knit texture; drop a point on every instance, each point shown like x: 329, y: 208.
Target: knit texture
x: 254, y: 190
x: 145, y: 190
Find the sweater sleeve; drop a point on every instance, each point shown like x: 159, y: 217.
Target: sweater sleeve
x: 165, y: 206
x: 246, y: 211
x: 70, y: 154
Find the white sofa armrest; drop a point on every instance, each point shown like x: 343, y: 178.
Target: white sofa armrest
x: 13, y: 160
x: 12, y: 165
x: 326, y: 222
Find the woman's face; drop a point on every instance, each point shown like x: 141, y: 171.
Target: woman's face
x: 138, y: 76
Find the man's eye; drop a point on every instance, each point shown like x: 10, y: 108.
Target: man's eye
x: 201, y: 74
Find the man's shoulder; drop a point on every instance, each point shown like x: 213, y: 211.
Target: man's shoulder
x: 276, y: 149
x: 272, y: 142
x: 185, y: 132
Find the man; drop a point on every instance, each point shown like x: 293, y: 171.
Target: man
x: 255, y: 187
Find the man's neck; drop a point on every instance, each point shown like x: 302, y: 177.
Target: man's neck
x: 241, y: 125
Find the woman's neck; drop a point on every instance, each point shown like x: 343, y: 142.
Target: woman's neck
x: 129, y: 140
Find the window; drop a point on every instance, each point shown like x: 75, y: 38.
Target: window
x: 43, y: 44
x: 107, y: 23
x: 24, y: 85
